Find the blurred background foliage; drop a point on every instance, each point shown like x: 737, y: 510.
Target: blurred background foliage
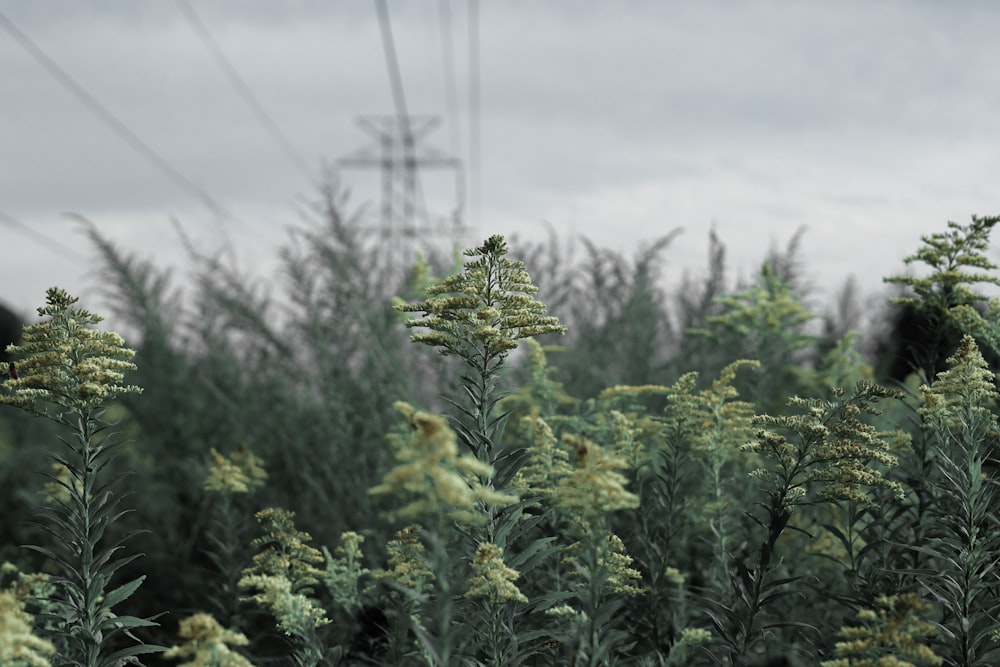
x: 303, y: 370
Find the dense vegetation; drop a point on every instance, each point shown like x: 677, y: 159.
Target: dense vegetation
x: 602, y: 469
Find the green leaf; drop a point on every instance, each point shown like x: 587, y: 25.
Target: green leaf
x: 123, y: 592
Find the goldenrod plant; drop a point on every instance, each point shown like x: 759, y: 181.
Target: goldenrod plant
x: 208, y: 644
x: 20, y: 645
x: 652, y: 497
x: 823, y: 452
x: 443, y: 491
x: 894, y: 634
x: 945, y: 297
x: 230, y: 480
x: 282, y: 579
x: 964, y: 545
x: 69, y: 372
x: 479, y: 315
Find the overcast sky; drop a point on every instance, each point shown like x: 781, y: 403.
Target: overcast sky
x: 868, y: 123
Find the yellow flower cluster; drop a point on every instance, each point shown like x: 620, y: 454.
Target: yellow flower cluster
x: 64, y: 362
x: 617, y: 565
x: 240, y: 473
x: 547, y: 461
x: 594, y: 487
x: 963, y: 395
x: 285, y: 572
x: 491, y: 577
x: 296, y: 613
x: 19, y: 646
x: 208, y: 644
x: 481, y: 313
x: 892, y: 636
x: 829, y: 445
x: 434, y: 478
x: 408, y: 564
x: 344, y: 572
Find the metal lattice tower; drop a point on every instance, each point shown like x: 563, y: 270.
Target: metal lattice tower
x: 399, y: 154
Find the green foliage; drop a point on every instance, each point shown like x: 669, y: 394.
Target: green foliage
x: 765, y: 322
x: 964, y: 548
x: 68, y: 371
x: 690, y: 486
x: 945, y: 296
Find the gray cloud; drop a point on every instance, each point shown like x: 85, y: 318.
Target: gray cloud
x: 615, y: 120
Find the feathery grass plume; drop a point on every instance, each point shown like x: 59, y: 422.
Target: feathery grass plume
x: 68, y: 372
x: 893, y: 635
x: 946, y: 288
x: 284, y: 575
x: 19, y: 645
x: 348, y: 581
x: 208, y: 644
x: 964, y: 549
x: 434, y: 478
x: 622, y: 330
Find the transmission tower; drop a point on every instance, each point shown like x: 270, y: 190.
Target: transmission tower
x: 399, y: 154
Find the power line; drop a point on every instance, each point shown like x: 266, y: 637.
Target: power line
x: 392, y: 63
x: 475, y: 144
x: 244, y: 91
x: 43, y: 239
x: 411, y: 177
x: 109, y: 119
x: 451, y: 95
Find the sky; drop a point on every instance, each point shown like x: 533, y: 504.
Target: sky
x: 866, y: 123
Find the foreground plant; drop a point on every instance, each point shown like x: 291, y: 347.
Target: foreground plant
x: 479, y: 315
x: 945, y: 297
x: 824, y: 454
x: 208, y: 644
x: 448, y: 494
x: 894, y: 635
x: 68, y: 372
x: 231, y: 479
x: 283, y: 577
x: 19, y: 645
x: 964, y: 545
